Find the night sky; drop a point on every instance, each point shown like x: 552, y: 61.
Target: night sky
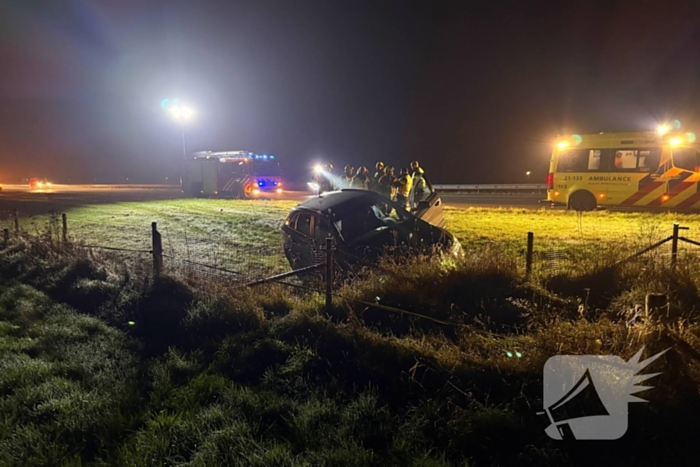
x: 475, y: 91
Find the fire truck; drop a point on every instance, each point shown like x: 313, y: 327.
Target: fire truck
x: 233, y: 174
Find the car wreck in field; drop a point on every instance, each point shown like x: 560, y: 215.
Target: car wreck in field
x: 364, y: 225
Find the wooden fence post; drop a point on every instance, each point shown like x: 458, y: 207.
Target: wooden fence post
x: 16, y: 216
x: 329, y: 275
x: 528, y: 258
x: 65, y: 227
x: 6, y: 236
x: 674, y: 245
x: 157, y: 249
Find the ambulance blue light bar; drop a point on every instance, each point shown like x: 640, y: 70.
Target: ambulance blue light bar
x: 234, y: 155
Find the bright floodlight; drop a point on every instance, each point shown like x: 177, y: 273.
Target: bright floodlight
x: 675, y: 141
x: 181, y: 113
x: 318, y: 169
x: 662, y: 129
x: 562, y: 144
x: 527, y: 173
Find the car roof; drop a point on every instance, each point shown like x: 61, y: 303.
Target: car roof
x: 333, y: 199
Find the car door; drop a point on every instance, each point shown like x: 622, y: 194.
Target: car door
x: 300, y: 246
x: 430, y: 210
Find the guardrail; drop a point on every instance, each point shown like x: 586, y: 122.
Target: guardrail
x: 493, y: 187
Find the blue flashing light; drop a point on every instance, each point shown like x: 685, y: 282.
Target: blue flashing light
x: 261, y: 183
x: 272, y: 157
x: 274, y: 183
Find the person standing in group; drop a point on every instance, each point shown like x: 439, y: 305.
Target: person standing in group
x: 414, y: 166
x: 387, y: 183
x: 387, y: 188
x: 421, y: 192
x: 362, y: 180
x: 346, y: 178
x: 403, y: 184
x: 374, y: 186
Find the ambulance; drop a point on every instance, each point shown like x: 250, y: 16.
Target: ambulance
x: 233, y: 174
x: 655, y: 169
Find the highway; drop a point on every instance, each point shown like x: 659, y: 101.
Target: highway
x: 59, y: 197
x: 495, y: 200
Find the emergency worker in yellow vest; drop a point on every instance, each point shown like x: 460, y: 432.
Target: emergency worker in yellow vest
x: 403, y: 185
x: 421, y: 192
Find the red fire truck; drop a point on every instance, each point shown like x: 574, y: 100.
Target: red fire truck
x: 235, y: 174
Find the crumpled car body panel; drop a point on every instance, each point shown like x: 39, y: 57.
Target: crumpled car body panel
x: 362, y: 231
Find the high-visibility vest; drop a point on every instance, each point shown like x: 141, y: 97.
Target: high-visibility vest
x: 406, y: 181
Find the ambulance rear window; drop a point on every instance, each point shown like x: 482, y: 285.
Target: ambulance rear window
x: 581, y: 160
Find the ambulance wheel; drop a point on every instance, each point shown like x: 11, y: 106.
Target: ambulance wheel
x: 582, y: 201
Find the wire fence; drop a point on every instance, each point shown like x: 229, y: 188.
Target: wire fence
x: 242, y: 260
x: 579, y: 256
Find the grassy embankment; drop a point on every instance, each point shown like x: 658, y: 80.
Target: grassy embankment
x: 210, y: 375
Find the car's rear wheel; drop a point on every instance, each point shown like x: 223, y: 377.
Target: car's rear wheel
x: 582, y: 201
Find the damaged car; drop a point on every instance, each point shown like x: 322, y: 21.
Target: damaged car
x: 364, y: 225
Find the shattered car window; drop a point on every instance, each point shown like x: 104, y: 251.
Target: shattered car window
x: 304, y: 224
x: 357, y: 219
x: 322, y: 230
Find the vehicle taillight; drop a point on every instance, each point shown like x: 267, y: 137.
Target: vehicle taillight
x: 550, y: 181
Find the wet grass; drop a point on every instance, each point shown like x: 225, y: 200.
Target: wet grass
x: 103, y: 365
